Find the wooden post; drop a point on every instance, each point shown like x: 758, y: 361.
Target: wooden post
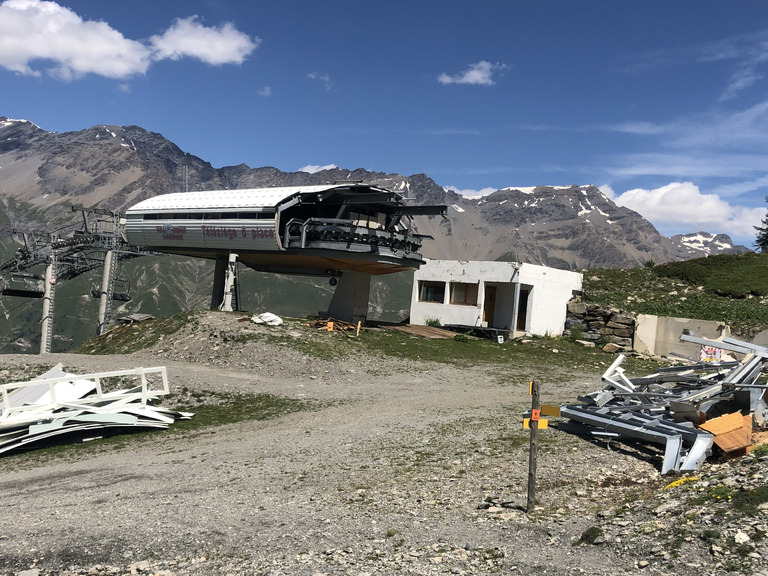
x: 534, y: 425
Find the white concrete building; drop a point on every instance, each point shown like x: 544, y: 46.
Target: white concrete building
x: 520, y: 298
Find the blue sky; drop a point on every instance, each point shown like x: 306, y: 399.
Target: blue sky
x: 664, y: 105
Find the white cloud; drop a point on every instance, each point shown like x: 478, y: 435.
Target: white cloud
x: 266, y: 91
x: 33, y: 30
x: 324, y: 78
x: 480, y: 73
x: 684, y: 206
x: 312, y: 168
x: 745, y: 54
x: 638, y: 128
x: 735, y: 129
x: 216, y: 46
x: 728, y: 146
x: 748, y: 54
x: 740, y: 80
x: 738, y: 188
x: 608, y: 191
x: 38, y: 33
x: 697, y: 163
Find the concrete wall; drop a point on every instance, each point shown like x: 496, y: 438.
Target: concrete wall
x: 547, y: 304
x: 660, y: 335
x: 549, y: 292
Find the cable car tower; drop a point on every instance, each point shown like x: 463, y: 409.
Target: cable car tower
x: 47, y: 258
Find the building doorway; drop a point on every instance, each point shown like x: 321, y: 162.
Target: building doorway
x: 489, y: 305
x: 522, y: 309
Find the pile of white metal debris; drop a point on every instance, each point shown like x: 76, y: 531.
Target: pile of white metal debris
x: 688, y: 409
x: 57, y: 404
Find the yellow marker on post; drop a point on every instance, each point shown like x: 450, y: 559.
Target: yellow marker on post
x: 549, y: 410
x: 543, y: 424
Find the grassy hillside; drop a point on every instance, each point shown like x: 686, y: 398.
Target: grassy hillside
x: 728, y: 288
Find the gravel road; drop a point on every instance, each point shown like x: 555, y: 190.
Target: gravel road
x: 404, y: 468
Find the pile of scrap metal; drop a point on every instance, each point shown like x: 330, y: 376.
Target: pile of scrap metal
x: 685, y: 408
x: 57, y: 404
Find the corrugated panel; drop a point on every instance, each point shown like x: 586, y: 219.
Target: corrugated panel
x: 247, y: 198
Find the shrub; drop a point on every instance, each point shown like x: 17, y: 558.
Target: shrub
x: 590, y: 536
x: 576, y: 333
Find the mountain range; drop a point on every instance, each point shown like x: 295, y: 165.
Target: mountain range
x: 44, y: 174
x: 113, y: 167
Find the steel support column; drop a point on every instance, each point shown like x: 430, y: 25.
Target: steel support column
x: 107, y: 289
x: 46, y: 336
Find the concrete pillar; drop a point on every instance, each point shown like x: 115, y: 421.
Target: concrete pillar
x: 350, y: 299
x: 219, y: 279
x: 515, y: 309
x: 229, y: 284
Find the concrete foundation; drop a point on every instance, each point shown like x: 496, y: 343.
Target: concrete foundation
x: 350, y: 299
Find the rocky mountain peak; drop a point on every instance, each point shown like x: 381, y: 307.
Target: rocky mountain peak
x: 698, y: 244
x: 114, y: 167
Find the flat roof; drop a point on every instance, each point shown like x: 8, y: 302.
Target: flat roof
x: 244, y: 198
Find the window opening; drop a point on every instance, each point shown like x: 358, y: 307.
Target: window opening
x: 431, y: 291
x: 464, y: 293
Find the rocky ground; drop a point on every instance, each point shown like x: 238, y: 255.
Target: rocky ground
x: 399, y: 468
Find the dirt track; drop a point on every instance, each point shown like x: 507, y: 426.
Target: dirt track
x: 407, y: 468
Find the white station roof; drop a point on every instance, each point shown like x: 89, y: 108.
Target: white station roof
x: 246, y: 198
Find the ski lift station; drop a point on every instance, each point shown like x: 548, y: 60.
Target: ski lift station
x: 507, y: 298
x: 346, y: 231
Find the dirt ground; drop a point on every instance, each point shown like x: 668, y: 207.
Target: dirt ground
x: 402, y: 468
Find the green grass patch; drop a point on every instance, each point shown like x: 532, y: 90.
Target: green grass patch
x: 746, y: 502
x: 589, y: 536
x: 218, y: 408
x: 725, y: 288
x: 211, y: 409
x: 730, y: 275
x: 134, y: 337
x: 544, y: 355
x: 714, y: 494
x: 312, y: 342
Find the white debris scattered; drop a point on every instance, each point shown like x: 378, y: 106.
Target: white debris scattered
x: 267, y: 318
x: 57, y: 403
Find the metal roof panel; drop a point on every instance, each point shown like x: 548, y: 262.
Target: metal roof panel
x: 245, y: 198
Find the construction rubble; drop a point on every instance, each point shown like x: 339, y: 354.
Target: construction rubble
x: 693, y: 411
x: 58, y: 405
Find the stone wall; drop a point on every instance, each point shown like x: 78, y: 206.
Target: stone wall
x: 600, y: 324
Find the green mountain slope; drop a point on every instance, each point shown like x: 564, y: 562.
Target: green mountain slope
x: 731, y: 288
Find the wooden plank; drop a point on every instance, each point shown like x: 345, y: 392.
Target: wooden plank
x: 724, y: 424
x: 432, y: 332
x: 732, y: 441
x: 732, y: 431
